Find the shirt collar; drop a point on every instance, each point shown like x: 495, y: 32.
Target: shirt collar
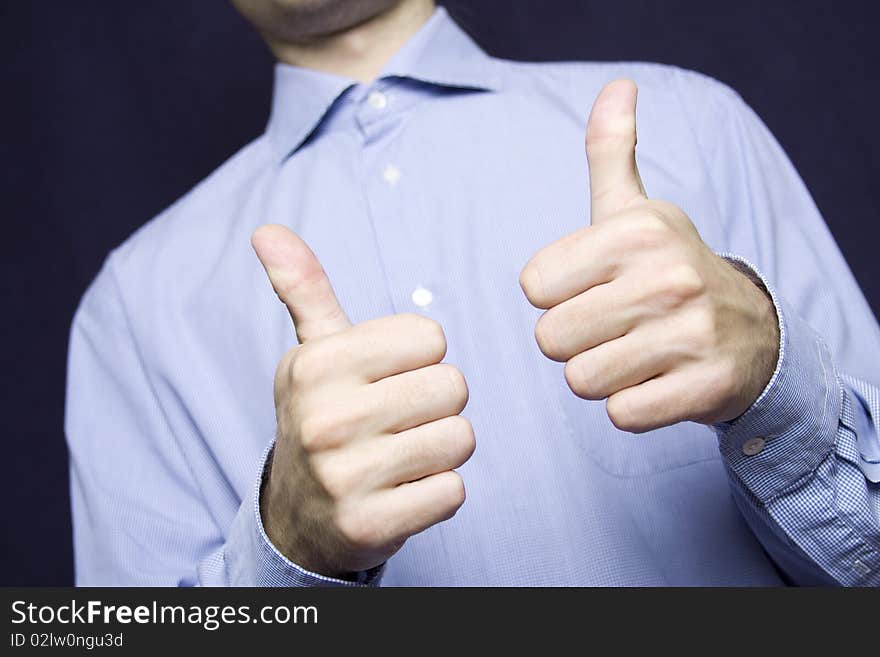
x: 440, y: 53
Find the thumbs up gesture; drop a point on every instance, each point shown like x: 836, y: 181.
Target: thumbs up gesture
x: 369, y: 429
x: 641, y: 311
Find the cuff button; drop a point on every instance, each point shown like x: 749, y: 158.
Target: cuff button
x: 753, y: 446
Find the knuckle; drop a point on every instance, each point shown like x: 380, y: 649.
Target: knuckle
x: 653, y: 220
x: 334, y: 477
x: 673, y: 215
x: 284, y: 370
x: 621, y: 413
x: 435, y: 339
x: 462, y: 438
x: 320, y: 430
x: 581, y: 381
x: 430, y: 334
x: 458, y: 388
x: 546, y: 336
x: 455, y: 491
x: 682, y: 283
x: 287, y: 360
x: 357, y: 530
x: 311, y: 435
x: 704, y: 328
x: 304, y: 365
x: 647, y: 229
x: 530, y: 282
x: 625, y: 414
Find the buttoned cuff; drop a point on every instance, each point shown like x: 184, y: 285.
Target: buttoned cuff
x: 791, y: 428
x: 253, y: 560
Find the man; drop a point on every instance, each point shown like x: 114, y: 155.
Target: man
x: 443, y: 192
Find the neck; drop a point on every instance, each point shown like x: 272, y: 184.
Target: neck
x: 361, y: 51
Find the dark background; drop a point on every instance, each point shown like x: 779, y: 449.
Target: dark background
x: 111, y: 110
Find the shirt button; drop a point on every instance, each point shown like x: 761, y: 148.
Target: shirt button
x: 422, y: 297
x: 753, y: 446
x: 391, y: 174
x: 377, y: 100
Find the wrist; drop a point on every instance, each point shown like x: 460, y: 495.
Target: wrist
x: 763, y: 339
x: 269, y: 504
x: 279, y: 513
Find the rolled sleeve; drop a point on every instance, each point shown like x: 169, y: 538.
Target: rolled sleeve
x: 792, y: 426
x: 252, y: 560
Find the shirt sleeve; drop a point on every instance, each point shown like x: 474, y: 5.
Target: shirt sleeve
x: 139, y: 516
x: 803, y: 460
x: 795, y: 459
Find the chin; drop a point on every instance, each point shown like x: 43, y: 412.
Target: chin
x: 298, y: 19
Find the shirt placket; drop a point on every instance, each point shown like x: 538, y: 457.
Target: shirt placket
x: 389, y: 192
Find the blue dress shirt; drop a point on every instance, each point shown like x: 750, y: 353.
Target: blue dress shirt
x: 427, y: 191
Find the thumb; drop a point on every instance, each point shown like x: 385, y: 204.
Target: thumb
x: 300, y: 282
x: 611, y: 150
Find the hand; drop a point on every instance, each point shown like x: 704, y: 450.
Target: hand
x: 641, y: 311
x: 369, y: 429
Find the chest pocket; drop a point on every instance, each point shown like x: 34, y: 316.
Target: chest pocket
x: 624, y: 454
